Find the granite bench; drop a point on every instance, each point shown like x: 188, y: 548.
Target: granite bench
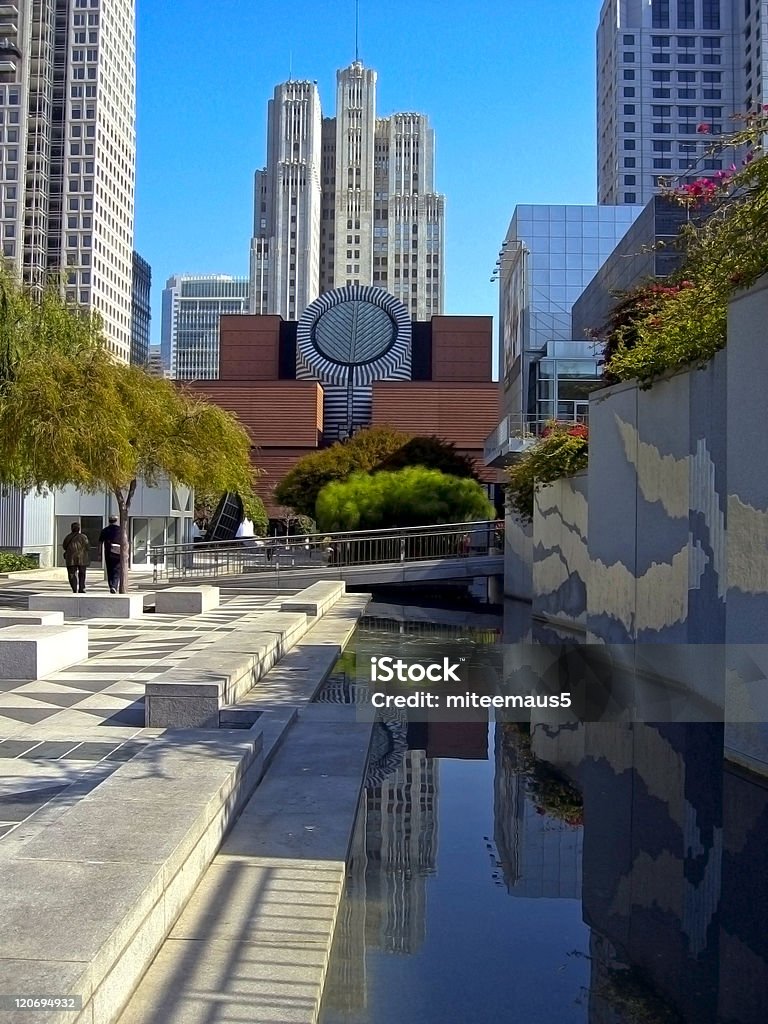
x: 33, y: 652
x: 92, y: 606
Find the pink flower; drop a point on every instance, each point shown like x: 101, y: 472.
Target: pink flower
x: 703, y: 129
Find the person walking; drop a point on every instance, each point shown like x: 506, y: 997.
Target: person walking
x: 77, y: 557
x: 109, y: 543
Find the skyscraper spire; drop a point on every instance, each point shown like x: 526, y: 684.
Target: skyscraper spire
x: 357, y: 31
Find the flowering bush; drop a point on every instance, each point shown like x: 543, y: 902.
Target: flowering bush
x: 562, y: 450
x: 683, y: 322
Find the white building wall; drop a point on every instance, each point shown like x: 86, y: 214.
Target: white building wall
x: 661, y: 73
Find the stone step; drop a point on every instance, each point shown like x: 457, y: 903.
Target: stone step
x: 88, y: 901
x: 317, y: 599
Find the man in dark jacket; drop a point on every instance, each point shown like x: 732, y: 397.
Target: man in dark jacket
x: 77, y: 556
x: 109, y: 543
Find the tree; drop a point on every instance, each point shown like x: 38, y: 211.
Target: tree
x: 409, y: 497
x: 432, y: 452
x: 363, y: 452
x: 562, y: 450
x: 70, y: 415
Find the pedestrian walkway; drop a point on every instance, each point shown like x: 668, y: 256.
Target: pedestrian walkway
x: 63, y: 735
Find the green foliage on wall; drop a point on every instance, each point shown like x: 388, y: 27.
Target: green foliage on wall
x: 658, y: 328
x: 562, y: 451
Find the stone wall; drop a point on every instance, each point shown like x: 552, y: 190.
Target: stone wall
x: 677, y: 517
x: 560, y: 552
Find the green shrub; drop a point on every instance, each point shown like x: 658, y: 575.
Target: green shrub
x: 682, y: 323
x: 11, y: 562
x: 409, y: 497
x: 562, y: 451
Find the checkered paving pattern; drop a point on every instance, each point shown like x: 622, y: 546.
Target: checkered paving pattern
x: 72, y: 729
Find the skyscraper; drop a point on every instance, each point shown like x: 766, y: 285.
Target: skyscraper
x: 192, y: 305
x: 68, y: 151
x: 141, y: 310
x: 346, y: 200
x: 664, y: 67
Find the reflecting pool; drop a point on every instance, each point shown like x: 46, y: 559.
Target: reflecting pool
x: 609, y: 873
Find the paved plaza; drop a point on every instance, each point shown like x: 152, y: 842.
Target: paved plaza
x: 63, y: 735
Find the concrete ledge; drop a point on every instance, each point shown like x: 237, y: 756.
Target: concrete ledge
x: 33, y: 652
x: 191, y: 697
x: 92, y: 606
x: 19, y: 617
x: 317, y: 599
x: 109, y: 878
x: 186, y: 600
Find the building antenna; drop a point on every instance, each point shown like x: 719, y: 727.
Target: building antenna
x: 290, y: 65
x: 357, y: 31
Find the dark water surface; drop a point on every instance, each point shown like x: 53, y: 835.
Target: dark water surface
x: 552, y: 874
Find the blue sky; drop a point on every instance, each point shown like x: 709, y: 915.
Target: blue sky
x: 508, y: 86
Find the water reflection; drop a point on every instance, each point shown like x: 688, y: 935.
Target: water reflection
x: 670, y: 864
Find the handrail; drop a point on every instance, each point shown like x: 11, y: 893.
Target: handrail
x: 349, y: 547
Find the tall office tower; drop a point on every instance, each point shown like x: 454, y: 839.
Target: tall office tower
x: 141, y: 310
x: 68, y: 151
x: 285, y: 249
x: 381, y: 222
x: 192, y: 305
x: 665, y: 67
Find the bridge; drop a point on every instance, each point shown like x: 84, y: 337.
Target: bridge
x: 454, y: 552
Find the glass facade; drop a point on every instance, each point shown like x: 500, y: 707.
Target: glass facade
x: 550, y: 255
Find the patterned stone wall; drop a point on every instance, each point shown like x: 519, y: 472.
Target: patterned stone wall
x: 677, y: 517
x: 560, y: 552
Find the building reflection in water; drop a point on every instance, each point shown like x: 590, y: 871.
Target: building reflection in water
x: 539, y: 853
x: 394, y: 851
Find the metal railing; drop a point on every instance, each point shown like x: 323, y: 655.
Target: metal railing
x: 516, y: 432
x: 277, y: 555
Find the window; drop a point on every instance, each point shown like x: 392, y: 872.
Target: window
x: 629, y: 143
x: 686, y: 94
x: 686, y: 76
x: 686, y: 58
x: 686, y: 14
x: 630, y: 197
x: 662, y: 76
x: 662, y: 163
x: 712, y: 77
x: 629, y: 91
x: 629, y: 56
x: 712, y: 113
x: 660, y: 40
x: 662, y: 111
x: 629, y: 40
x: 711, y: 58
x: 629, y: 126
x: 629, y: 161
x: 629, y: 76
x: 662, y: 94
x: 686, y: 111
x: 660, y: 13
x: 712, y: 94
x: 711, y: 14
x: 660, y: 58
x: 629, y: 108
x: 630, y: 179
x: 662, y: 146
